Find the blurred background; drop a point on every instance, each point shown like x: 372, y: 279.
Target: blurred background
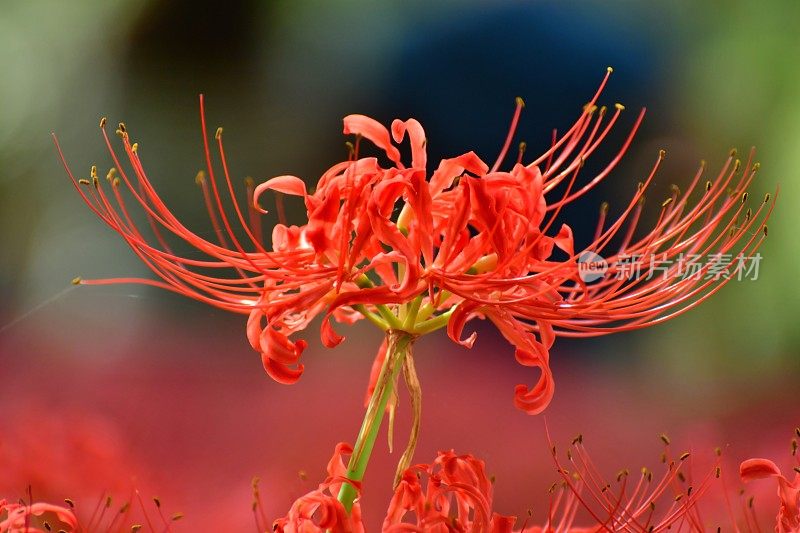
x: 105, y: 388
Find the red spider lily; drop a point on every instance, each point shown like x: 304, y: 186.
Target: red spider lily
x: 416, y: 252
x: 788, y: 519
x: 18, y: 516
x: 319, y: 510
x: 37, y: 517
x: 456, y: 497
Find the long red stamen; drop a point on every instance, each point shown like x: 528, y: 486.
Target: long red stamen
x: 520, y: 103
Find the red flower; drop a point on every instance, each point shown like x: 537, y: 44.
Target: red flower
x: 319, y: 510
x: 20, y: 516
x: 452, y: 494
x: 38, y: 517
x: 788, y: 519
x: 415, y: 251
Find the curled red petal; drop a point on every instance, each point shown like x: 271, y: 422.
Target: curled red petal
x: 788, y: 519
x: 455, y: 326
x: 449, y: 169
x: 564, y: 240
x: 373, y: 130
x: 758, y: 469
x: 416, y: 137
x: 536, y: 399
x: 328, y: 335
x: 65, y: 515
x: 279, y: 347
x: 280, y: 372
x: 284, y: 184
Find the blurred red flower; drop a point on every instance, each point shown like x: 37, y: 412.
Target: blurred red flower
x: 60, y: 452
x: 454, y: 494
x: 19, y: 517
x: 38, y: 517
x: 788, y: 519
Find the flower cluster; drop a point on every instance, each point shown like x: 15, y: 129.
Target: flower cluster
x: 454, y: 494
x: 417, y: 250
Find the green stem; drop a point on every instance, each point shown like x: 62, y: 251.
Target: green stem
x: 411, y: 315
x: 428, y: 309
x: 437, y: 322
x: 365, y: 283
x: 372, y: 317
x: 398, y: 345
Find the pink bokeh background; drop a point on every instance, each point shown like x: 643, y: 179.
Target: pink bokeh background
x: 126, y: 397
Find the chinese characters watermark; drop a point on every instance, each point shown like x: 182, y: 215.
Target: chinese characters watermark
x: 715, y: 266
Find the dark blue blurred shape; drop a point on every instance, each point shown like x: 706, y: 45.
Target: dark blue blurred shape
x: 459, y: 74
